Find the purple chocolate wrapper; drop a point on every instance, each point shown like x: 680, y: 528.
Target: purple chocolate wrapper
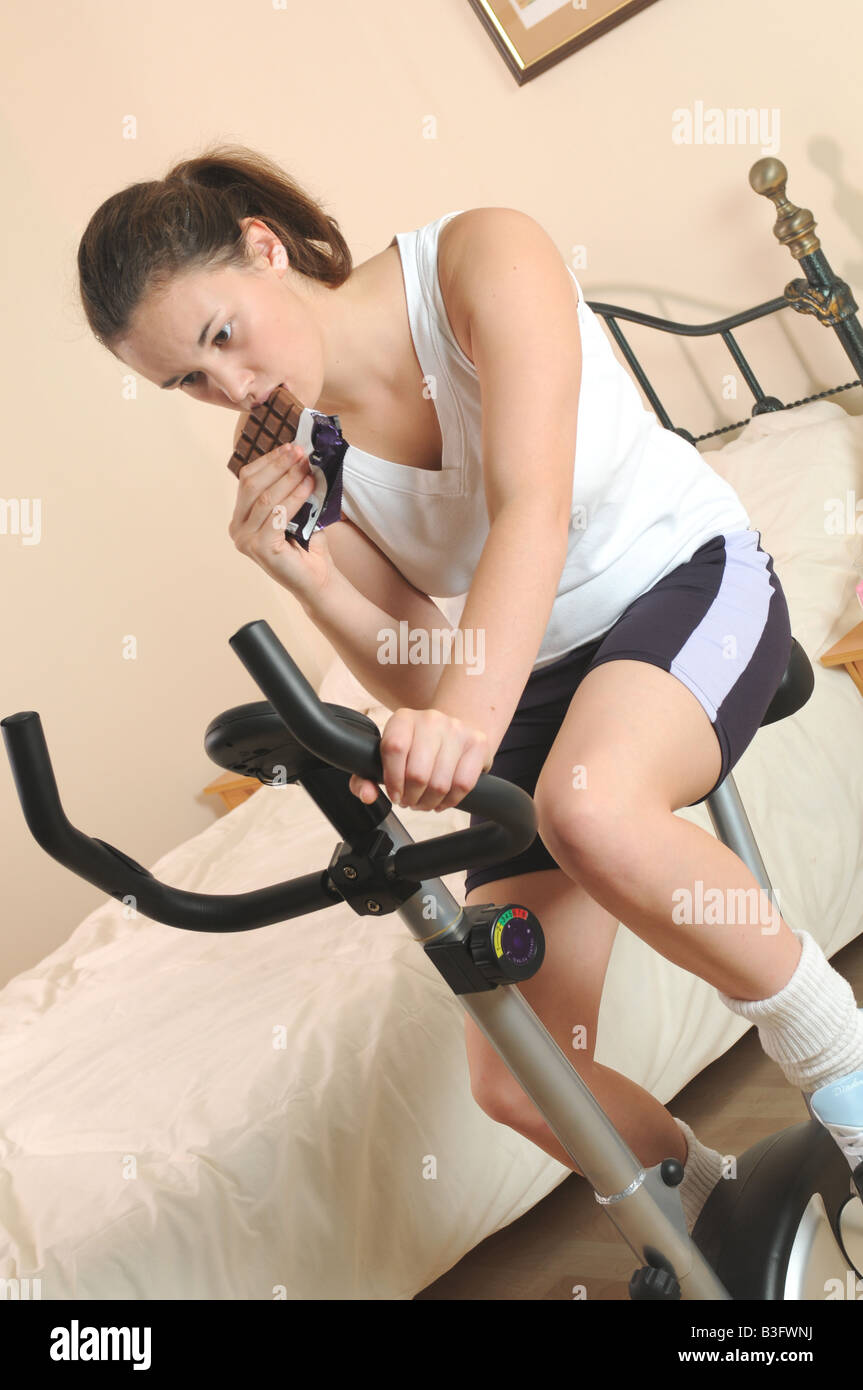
x: 326, y: 459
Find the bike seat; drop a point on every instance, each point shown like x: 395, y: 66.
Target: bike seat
x: 794, y: 689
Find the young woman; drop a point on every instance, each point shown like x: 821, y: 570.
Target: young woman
x: 634, y: 629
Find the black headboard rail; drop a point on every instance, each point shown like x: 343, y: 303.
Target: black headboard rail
x: 822, y: 293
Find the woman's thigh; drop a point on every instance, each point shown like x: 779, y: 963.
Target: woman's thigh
x: 672, y: 696
x: 565, y: 992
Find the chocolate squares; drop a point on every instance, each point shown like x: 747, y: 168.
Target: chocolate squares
x: 269, y: 425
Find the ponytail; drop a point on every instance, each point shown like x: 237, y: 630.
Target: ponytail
x: 145, y: 235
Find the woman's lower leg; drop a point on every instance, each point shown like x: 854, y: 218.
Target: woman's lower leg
x: 642, y: 1122
x: 684, y: 892
x: 644, y: 877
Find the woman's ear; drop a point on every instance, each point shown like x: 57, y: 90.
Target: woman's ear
x: 264, y: 242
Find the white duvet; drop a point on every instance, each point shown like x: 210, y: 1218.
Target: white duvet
x: 287, y: 1112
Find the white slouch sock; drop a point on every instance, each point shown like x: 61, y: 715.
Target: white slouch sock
x: 701, y: 1172
x: 812, y: 1027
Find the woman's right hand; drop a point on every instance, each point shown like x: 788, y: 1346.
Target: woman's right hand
x: 271, y: 490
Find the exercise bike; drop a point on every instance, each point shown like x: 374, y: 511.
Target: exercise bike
x: 791, y: 1220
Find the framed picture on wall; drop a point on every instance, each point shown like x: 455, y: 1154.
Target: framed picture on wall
x: 533, y: 35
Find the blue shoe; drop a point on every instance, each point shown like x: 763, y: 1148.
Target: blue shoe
x: 839, y: 1108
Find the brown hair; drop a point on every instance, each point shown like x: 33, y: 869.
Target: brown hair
x: 143, y: 236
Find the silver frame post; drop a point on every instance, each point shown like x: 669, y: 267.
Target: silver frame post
x: 647, y: 1213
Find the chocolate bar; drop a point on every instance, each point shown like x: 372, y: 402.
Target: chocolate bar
x: 270, y: 424
x: 282, y: 419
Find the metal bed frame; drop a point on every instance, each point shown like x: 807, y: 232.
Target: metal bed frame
x: 822, y: 293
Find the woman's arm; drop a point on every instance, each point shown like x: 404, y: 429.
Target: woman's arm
x: 506, y: 614
x: 355, y: 625
x: 504, y: 279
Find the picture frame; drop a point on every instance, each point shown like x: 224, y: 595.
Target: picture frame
x: 534, y: 35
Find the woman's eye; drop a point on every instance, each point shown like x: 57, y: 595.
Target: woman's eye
x: 226, y: 328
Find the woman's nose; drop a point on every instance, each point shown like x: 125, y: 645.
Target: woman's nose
x: 237, y: 389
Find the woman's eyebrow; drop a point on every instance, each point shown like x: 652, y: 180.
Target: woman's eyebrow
x: 204, y: 331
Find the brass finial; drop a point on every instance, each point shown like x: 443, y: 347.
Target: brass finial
x: 794, y: 227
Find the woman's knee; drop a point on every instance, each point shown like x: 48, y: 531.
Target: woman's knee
x: 578, y: 829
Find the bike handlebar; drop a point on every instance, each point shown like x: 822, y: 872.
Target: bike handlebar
x: 510, y: 811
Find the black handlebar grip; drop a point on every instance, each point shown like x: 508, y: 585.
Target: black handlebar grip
x: 37, y: 788
x: 123, y: 878
x: 510, y: 810
x: 511, y: 826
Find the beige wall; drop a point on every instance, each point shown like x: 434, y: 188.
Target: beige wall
x: 134, y: 494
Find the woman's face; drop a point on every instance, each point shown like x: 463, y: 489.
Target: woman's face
x: 229, y: 337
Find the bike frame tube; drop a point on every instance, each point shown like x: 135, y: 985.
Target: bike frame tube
x: 647, y: 1213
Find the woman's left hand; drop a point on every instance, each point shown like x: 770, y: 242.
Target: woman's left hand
x: 430, y: 760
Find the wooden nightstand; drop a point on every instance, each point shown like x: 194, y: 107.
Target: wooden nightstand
x: 232, y: 788
x: 848, y: 652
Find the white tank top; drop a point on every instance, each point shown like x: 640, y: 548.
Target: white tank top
x: 643, y: 499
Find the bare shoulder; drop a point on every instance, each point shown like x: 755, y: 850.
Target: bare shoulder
x: 476, y: 246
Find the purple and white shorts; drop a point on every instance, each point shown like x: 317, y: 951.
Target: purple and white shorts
x: 728, y: 589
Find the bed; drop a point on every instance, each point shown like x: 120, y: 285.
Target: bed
x: 286, y: 1112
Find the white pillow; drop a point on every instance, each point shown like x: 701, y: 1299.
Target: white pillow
x: 799, y: 474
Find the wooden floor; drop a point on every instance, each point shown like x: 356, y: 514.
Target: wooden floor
x: 567, y: 1240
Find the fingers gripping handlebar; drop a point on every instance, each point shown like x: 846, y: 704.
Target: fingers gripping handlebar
x: 511, y: 814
